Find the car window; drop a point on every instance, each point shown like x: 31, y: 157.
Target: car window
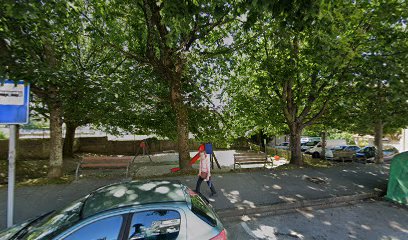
x: 105, y: 229
x: 156, y: 224
x: 202, y: 209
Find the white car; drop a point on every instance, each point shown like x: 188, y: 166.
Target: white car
x: 316, y: 150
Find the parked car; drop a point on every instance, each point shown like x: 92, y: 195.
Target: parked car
x: 345, y: 152
x: 331, y: 143
x: 284, y: 145
x: 389, y: 152
x: 130, y: 210
x: 367, y: 154
x: 307, y: 145
x: 310, y: 139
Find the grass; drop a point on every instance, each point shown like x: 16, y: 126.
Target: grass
x: 30, y: 173
x: 45, y: 181
x: 308, y: 162
x: 317, y: 163
x: 2, y: 136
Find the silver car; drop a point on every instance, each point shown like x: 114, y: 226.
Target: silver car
x: 129, y: 210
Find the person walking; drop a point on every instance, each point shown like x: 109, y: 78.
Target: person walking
x: 204, y: 174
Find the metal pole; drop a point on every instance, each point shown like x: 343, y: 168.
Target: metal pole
x: 11, y: 175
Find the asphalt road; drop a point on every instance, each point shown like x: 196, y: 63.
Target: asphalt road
x: 368, y: 220
x: 236, y: 190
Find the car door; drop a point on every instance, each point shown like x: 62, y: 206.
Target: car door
x: 371, y: 152
x: 348, y: 152
x: 109, y: 226
x: 156, y: 223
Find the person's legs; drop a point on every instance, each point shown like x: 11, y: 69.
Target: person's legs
x: 198, y: 185
x: 212, y: 188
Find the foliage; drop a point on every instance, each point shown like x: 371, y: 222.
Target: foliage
x: 164, y: 39
x: 47, y: 45
x: 316, y: 130
x: 295, y: 60
x: 33, y: 124
x: 299, y: 63
x: 29, y: 173
x: 2, y: 135
x: 342, y: 135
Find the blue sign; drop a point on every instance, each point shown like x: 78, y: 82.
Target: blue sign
x: 14, y: 102
x: 208, y: 148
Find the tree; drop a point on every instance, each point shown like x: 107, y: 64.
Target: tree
x: 378, y: 102
x: 161, y: 37
x: 300, y: 58
x: 33, y: 38
x: 40, y: 43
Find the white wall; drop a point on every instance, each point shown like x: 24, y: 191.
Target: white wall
x: 404, y: 140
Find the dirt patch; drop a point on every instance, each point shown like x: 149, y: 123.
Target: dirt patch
x: 34, y: 172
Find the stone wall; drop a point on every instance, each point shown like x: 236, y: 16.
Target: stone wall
x: 36, y: 149
x: 101, y: 145
x: 28, y: 149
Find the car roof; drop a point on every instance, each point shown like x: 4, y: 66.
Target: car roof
x: 132, y: 193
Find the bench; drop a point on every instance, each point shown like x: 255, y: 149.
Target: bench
x: 250, y: 158
x: 105, y: 162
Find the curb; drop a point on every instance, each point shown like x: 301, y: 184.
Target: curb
x: 283, y: 208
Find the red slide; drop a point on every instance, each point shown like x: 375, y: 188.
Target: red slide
x: 193, y: 160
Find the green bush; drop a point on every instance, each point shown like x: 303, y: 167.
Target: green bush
x: 342, y: 135
x: 254, y: 147
x: 2, y: 135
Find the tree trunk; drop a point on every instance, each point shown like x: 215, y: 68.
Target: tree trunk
x: 295, y: 150
x: 182, y: 123
x: 69, y: 139
x: 55, y: 170
x: 323, y: 153
x: 379, y: 158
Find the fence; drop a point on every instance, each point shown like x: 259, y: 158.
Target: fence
x: 34, y: 149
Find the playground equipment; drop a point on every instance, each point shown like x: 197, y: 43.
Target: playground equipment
x: 142, y: 150
x: 209, y: 150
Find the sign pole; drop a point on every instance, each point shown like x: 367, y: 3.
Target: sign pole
x: 14, y: 109
x: 11, y: 175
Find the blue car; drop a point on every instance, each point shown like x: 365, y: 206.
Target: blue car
x: 368, y: 153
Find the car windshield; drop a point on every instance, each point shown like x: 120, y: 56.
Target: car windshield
x: 310, y: 144
x: 49, y: 224
x: 389, y: 150
x: 366, y: 150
